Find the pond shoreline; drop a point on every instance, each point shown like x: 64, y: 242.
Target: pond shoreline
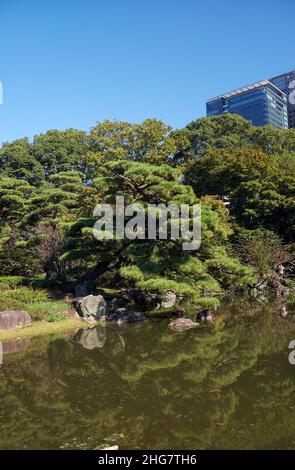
x: 43, y: 328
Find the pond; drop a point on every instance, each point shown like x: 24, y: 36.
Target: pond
x: 225, y: 385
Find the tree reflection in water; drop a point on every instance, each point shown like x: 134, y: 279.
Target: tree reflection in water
x: 226, y: 385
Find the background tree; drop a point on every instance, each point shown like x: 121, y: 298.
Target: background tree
x: 152, y: 141
x: 264, y: 250
x: 230, y: 132
x: 226, y: 131
x: 17, y: 161
x: 258, y: 188
x: 49, y: 213
x: 59, y: 151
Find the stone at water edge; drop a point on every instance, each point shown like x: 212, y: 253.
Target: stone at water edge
x: 90, y: 319
x: 169, y: 299
x: 92, y: 307
x: 10, y: 319
x: 182, y: 324
x: 71, y: 314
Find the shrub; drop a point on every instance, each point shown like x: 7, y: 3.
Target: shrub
x: 8, y: 282
x: 47, y: 310
x: 35, y: 302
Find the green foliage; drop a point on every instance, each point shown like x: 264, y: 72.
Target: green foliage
x: 34, y: 242
x: 224, y: 131
x: 239, y: 173
x: 36, y: 302
x: 48, y: 154
x: 17, y: 161
x: 17, y: 260
x: 231, y: 132
x: 258, y: 188
x: 19, y: 298
x: 14, y: 195
x: 11, y: 281
x: 262, y: 249
x: 60, y: 151
x: 47, y: 310
x: 154, y: 266
x: 149, y: 142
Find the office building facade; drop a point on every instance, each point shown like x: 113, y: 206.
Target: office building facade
x: 262, y: 103
x: 286, y: 83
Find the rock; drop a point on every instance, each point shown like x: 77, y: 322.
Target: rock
x: 10, y: 320
x: 92, y: 338
x: 92, y: 307
x: 90, y: 319
x: 182, y: 324
x: 71, y: 314
x: 76, y: 301
x: 124, y: 315
x: 168, y: 299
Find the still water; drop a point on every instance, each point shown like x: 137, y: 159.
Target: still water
x: 228, y: 385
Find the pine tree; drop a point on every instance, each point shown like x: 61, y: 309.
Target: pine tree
x: 156, y: 266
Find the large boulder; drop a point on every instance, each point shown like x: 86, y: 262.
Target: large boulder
x: 10, y: 319
x: 182, y: 324
x: 92, y: 307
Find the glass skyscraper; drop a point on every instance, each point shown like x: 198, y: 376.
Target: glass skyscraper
x: 262, y: 103
x: 286, y: 83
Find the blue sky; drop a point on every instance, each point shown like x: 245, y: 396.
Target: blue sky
x: 70, y: 63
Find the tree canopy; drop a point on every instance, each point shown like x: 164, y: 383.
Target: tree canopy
x: 242, y: 176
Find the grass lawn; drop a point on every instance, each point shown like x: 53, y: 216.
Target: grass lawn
x: 42, y: 328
